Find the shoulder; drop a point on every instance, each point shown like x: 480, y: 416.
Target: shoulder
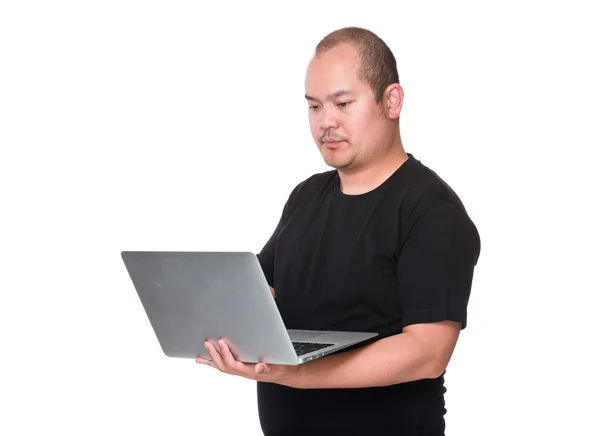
x: 428, y: 201
x: 311, y: 186
x: 424, y: 189
x: 316, y: 181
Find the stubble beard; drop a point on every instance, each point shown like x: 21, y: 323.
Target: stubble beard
x: 338, y: 159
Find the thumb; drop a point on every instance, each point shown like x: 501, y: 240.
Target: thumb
x: 261, y: 368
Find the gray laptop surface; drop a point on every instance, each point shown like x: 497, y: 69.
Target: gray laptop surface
x: 190, y: 297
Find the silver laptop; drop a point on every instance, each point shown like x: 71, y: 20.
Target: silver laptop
x: 191, y: 297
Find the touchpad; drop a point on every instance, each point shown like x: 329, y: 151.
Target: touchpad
x: 304, y: 335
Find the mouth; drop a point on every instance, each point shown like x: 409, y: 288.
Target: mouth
x: 331, y: 143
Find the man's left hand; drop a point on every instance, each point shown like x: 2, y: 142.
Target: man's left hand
x: 223, y: 360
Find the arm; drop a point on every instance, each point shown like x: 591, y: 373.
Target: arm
x: 434, y: 270
x: 266, y: 257
x: 420, y: 351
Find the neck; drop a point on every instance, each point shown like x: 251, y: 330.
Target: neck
x: 368, y: 177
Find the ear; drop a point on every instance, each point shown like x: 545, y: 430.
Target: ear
x: 392, y: 99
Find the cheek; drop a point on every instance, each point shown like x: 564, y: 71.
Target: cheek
x: 314, y: 126
x: 362, y: 128
x: 354, y: 129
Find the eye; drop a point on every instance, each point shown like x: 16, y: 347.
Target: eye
x: 344, y: 104
x: 313, y: 108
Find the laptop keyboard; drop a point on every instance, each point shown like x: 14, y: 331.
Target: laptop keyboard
x: 302, y: 348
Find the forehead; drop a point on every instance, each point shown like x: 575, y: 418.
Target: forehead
x: 334, y: 70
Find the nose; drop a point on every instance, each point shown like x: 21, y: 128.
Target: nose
x: 328, y: 118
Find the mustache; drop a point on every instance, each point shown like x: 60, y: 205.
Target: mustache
x: 330, y: 137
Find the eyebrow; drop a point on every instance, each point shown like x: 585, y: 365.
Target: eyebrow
x: 336, y: 94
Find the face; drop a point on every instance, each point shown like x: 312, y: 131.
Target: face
x: 349, y: 127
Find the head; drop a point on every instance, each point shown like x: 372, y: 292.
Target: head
x: 354, y: 98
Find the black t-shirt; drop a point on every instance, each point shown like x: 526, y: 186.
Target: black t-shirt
x: 401, y: 254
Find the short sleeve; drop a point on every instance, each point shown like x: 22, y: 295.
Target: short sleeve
x: 436, y: 266
x: 266, y: 257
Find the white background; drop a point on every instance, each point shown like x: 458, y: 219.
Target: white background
x: 180, y: 126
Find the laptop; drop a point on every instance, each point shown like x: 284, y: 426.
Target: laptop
x: 191, y: 297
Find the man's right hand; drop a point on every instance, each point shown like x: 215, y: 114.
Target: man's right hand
x: 272, y: 291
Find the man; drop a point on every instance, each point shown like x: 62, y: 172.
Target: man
x: 379, y: 244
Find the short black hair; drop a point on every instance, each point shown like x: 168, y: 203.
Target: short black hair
x: 378, y: 66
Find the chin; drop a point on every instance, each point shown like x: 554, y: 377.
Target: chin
x: 338, y: 164
x: 338, y: 158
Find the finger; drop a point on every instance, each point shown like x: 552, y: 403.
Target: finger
x: 228, y: 358
x: 204, y: 361
x: 262, y: 368
x: 201, y: 359
x: 215, y: 356
x: 231, y: 363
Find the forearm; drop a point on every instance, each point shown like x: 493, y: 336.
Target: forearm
x: 395, y: 359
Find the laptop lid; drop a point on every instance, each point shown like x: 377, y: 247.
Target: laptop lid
x: 190, y: 297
